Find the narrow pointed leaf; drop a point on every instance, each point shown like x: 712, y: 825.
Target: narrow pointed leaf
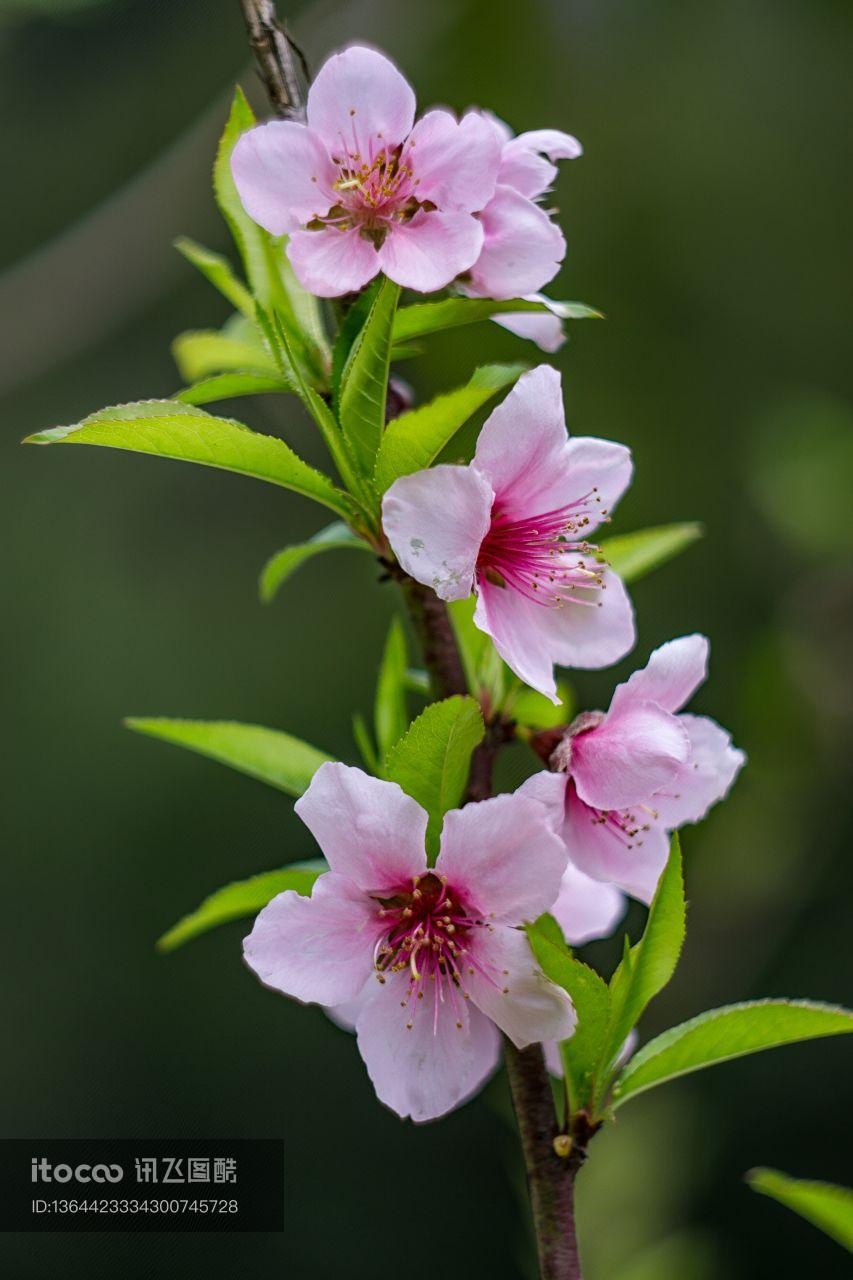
x: 269, y: 755
x: 633, y: 555
x: 218, y: 270
x: 390, y: 717
x: 647, y: 967
x: 231, y: 386
x: 169, y: 429
x: 590, y: 996
x: 723, y: 1034
x: 364, y: 381
x: 351, y: 326
x: 201, y: 353
x: 365, y: 744
x: 277, y: 570
x: 431, y: 761
x: 240, y: 899
x: 431, y: 317
x: 823, y: 1204
x: 414, y: 439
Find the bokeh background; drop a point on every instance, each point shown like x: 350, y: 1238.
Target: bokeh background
x: 710, y: 219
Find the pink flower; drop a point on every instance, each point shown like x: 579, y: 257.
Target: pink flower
x: 522, y: 246
x: 427, y: 962
x: 545, y: 328
x: 361, y: 188
x: 513, y: 527
x: 636, y: 773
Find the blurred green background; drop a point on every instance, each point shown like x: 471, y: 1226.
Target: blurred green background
x: 710, y: 219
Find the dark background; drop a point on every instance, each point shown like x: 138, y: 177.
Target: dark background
x: 710, y: 219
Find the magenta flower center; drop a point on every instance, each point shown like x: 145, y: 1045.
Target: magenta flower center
x: 544, y: 557
x: 371, y: 190
x: 431, y: 935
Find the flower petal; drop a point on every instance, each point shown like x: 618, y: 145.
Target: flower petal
x: 603, y: 851
x: 635, y: 751
x: 599, y: 467
x: 671, y: 676
x: 522, y: 445
x: 523, y: 165
x: 435, y: 521
x: 549, y: 789
x: 511, y: 989
x: 332, y: 262
x: 369, y: 830
x: 357, y: 97
x: 283, y: 174
x: 585, y: 908
x: 319, y: 949
x: 520, y: 632
x: 455, y: 162
x: 706, y: 777
x: 425, y: 1071
x: 426, y: 253
x: 546, y: 330
x: 502, y: 857
x: 522, y: 247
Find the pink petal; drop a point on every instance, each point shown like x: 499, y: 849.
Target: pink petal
x: 369, y: 830
x: 426, y: 253
x: 359, y: 102
x: 706, y: 777
x: 585, y: 908
x: 605, y: 853
x: 549, y: 789
x: 670, y: 678
x: 283, y: 174
x: 600, y: 466
x: 522, y: 446
x: 455, y: 162
x: 331, y: 262
x: 634, y: 752
x: 523, y: 166
x: 432, y: 1068
x: 520, y: 631
x: 318, y: 949
x: 503, y: 857
x: 522, y: 247
x: 510, y: 988
x: 435, y: 521
x: 535, y: 326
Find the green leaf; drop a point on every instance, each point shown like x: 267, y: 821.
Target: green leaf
x: 266, y: 754
x: 431, y: 761
x: 722, y: 1034
x: 414, y: 439
x: 824, y: 1205
x: 351, y: 326
x: 633, y: 555
x: 365, y: 744
x: 276, y: 571
x: 647, y: 967
x: 199, y: 353
x: 230, y: 386
x: 390, y: 717
x: 590, y: 996
x: 484, y: 669
x: 431, y: 317
x: 364, y: 381
x: 240, y: 899
x: 169, y: 429
x: 219, y: 272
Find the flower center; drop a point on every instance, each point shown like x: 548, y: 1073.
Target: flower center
x: 430, y: 932
x: 545, y: 557
x: 372, y: 191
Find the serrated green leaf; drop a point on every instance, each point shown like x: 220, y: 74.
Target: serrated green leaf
x: 633, y: 555
x: 169, y: 429
x: 269, y: 755
x: 231, y: 386
x: 431, y: 761
x: 200, y: 353
x: 240, y: 899
x: 647, y: 967
x: 590, y: 996
x: 823, y: 1204
x: 414, y: 439
x: 276, y: 571
x: 364, y: 381
x: 723, y: 1034
x: 218, y: 270
x: 390, y: 718
x: 431, y: 317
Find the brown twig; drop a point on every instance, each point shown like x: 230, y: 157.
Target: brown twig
x: 274, y: 52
